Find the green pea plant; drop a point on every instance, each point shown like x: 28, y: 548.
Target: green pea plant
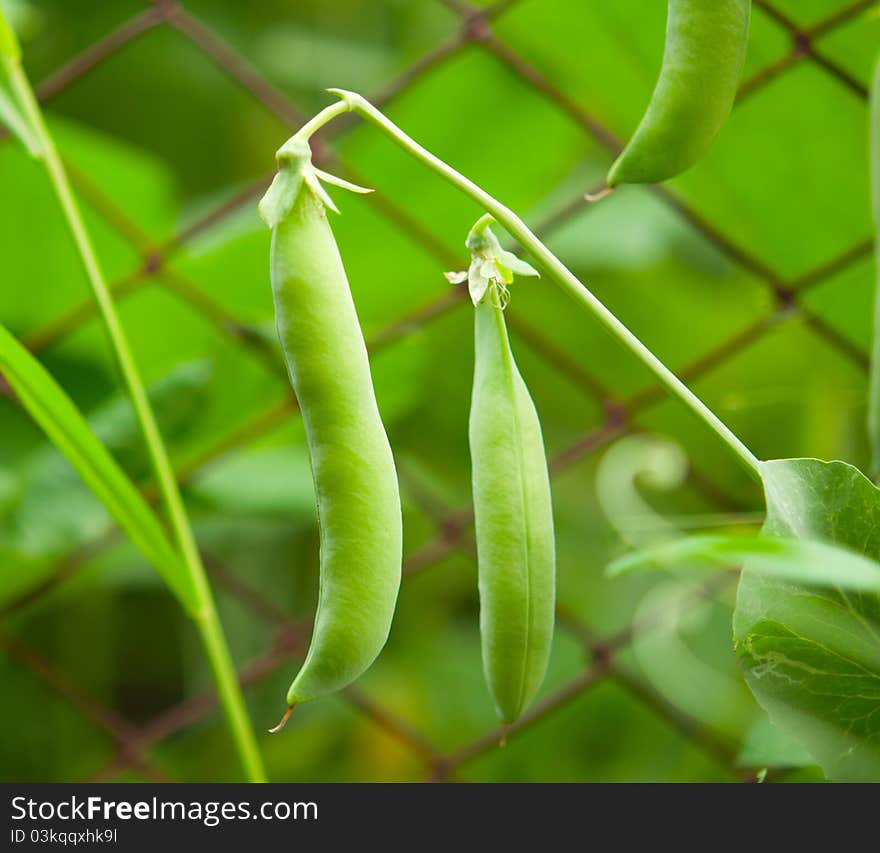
x: 807, y: 619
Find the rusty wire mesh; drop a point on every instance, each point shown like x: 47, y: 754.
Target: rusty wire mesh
x: 133, y: 742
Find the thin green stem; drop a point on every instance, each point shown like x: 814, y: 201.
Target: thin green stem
x: 552, y: 265
x: 206, y: 619
x: 482, y: 224
x: 324, y: 117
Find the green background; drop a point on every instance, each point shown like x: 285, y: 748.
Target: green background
x: 751, y: 274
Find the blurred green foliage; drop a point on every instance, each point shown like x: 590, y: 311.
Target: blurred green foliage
x: 158, y: 134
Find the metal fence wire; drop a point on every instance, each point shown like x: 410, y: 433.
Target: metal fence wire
x: 133, y: 743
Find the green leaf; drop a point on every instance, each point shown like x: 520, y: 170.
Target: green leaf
x: 62, y: 422
x: 807, y: 622
x: 799, y: 560
x: 811, y: 654
x: 280, y: 197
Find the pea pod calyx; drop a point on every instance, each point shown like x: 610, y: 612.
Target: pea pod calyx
x: 296, y: 171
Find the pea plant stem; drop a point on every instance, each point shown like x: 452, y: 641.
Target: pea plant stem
x: 206, y: 619
x: 557, y: 271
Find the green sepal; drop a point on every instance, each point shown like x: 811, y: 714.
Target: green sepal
x: 336, y: 181
x: 516, y: 265
x: 281, y: 196
x: 295, y: 169
x: 311, y: 180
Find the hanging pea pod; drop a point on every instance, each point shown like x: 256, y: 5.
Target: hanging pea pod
x: 511, y: 485
x: 705, y: 52
x: 358, y: 502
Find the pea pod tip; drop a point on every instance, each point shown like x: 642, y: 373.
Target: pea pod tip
x: 598, y: 196
x: 283, y: 721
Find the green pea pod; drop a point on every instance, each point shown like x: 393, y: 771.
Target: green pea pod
x: 705, y: 52
x: 358, y: 501
x: 512, y: 505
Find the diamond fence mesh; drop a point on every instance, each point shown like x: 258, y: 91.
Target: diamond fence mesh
x: 476, y: 29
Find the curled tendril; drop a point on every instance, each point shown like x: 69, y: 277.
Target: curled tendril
x: 639, y: 459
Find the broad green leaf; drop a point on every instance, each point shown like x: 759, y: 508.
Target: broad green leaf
x: 798, y: 560
x: 811, y: 654
x: 62, y: 422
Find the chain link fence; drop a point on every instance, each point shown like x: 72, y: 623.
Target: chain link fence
x: 134, y: 742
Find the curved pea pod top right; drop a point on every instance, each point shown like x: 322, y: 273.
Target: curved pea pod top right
x: 705, y: 52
